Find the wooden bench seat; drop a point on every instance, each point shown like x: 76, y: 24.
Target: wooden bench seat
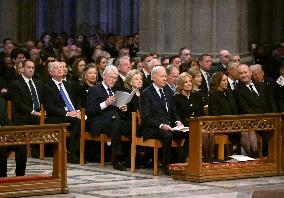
x: 102, y: 138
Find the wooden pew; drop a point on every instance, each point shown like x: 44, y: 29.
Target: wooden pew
x: 196, y: 170
x: 154, y: 143
x: 42, y: 122
x: 37, y: 184
x: 102, y: 138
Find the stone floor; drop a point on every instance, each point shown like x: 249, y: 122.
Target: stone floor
x: 92, y: 181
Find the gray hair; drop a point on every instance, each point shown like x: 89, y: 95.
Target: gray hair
x: 232, y: 65
x: 255, y: 67
x: 151, y: 63
x: 50, y: 64
x: 118, y: 62
x: 110, y: 69
x: 170, y: 68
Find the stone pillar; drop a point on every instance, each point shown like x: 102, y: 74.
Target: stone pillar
x: 202, y: 25
x: 8, y: 20
x: 26, y: 20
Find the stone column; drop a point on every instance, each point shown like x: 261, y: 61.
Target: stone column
x: 8, y: 20
x: 202, y: 25
x: 26, y: 20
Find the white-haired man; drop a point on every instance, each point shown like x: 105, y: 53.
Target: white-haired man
x: 104, y: 116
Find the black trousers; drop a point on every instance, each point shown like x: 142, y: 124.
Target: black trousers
x: 166, y: 138
x: 74, y: 129
x: 115, y: 128
x: 20, y: 157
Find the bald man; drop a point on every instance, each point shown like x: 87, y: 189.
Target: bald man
x: 225, y: 58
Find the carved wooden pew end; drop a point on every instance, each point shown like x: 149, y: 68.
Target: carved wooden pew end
x: 36, y: 184
x: 198, y: 171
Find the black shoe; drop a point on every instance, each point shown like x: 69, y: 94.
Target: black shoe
x: 73, y: 159
x: 165, y: 168
x: 118, y: 166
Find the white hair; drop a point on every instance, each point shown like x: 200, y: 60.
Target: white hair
x: 110, y: 69
x: 156, y: 70
x: 255, y: 67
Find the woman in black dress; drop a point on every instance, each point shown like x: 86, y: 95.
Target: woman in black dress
x: 89, y: 80
x: 188, y: 104
x: 221, y: 100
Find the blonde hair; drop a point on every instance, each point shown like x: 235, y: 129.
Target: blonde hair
x: 181, y: 81
x: 129, y: 76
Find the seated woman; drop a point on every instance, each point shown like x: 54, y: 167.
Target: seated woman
x: 133, y: 81
x: 89, y: 80
x: 196, y: 83
x: 221, y: 100
x: 189, y: 104
x: 101, y: 63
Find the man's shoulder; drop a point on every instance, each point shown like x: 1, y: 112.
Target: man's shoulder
x: 147, y: 89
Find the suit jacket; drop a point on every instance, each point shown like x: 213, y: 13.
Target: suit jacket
x: 221, y: 104
x: 216, y: 68
x: 188, y: 107
x: 54, y: 103
x: 98, y: 117
x: 119, y: 85
x: 249, y: 104
x: 22, y: 100
x: 146, y: 81
x: 4, y: 121
x: 203, y: 85
x: 154, y: 112
x: 274, y: 90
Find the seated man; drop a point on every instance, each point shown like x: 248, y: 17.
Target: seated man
x: 105, y: 117
x: 62, y: 106
x: 159, y: 114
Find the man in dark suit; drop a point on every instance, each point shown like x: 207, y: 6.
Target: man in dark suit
x: 105, y: 117
x: 159, y: 114
x: 146, y: 71
x: 62, y: 105
x: 225, y: 57
x: 124, y: 66
x: 205, y: 61
x: 26, y: 94
x: 270, y: 84
x: 252, y: 99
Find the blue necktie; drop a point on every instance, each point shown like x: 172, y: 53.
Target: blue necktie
x: 66, y: 101
x: 34, y: 96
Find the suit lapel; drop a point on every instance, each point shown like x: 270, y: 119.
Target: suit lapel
x: 25, y: 86
x: 157, y: 97
x: 104, y: 92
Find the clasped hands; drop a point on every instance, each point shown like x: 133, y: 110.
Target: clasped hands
x: 169, y: 128
x: 74, y: 114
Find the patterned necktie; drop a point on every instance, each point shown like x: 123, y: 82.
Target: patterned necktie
x: 163, y: 98
x: 208, y: 80
x: 109, y: 92
x: 66, y: 101
x: 34, y: 96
